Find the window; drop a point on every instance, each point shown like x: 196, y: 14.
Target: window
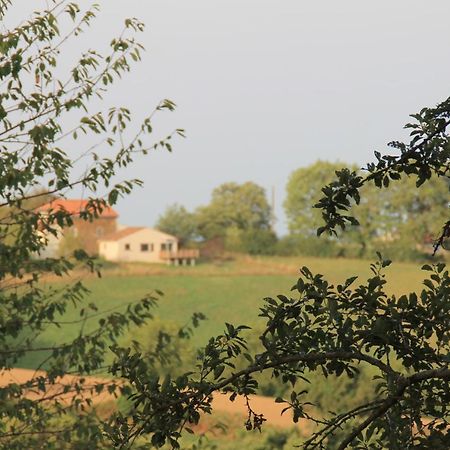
x: 163, y: 247
x: 144, y: 247
x: 99, y: 231
x: 127, y: 247
x: 151, y: 247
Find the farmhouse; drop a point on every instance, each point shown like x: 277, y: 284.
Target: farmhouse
x: 85, y: 234
x: 143, y: 244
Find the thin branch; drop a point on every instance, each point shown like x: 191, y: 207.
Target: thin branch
x: 403, y: 383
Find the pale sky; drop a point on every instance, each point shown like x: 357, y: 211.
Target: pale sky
x: 265, y: 87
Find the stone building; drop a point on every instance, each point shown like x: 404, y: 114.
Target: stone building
x: 83, y: 234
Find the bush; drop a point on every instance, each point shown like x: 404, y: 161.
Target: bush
x: 259, y: 242
x: 252, y: 241
x: 295, y: 245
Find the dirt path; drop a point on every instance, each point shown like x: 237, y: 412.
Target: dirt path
x: 260, y: 405
x: 221, y: 402
x: 21, y: 376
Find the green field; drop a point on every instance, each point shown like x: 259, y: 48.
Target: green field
x: 231, y: 291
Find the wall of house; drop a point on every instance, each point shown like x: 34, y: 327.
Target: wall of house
x: 88, y: 233
x: 143, y: 246
x: 109, y: 250
x: 51, y: 249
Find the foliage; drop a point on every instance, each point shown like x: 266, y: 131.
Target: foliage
x: 252, y: 241
x: 399, y: 221
x: 295, y: 245
x: 303, y: 191
x: 43, y: 109
x: 415, y: 212
x: 336, y: 331
x: 242, y: 206
x: 424, y: 158
x: 258, y: 242
x: 179, y: 222
x: 325, y: 329
x: 333, y: 330
x: 238, y: 213
x: 165, y: 344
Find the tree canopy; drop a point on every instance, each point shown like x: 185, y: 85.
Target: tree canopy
x: 241, y: 206
x: 399, y: 221
x: 178, y: 221
x: 303, y: 192
x: 423, y: 159
x: 43, y: 109
x: 241, y: 215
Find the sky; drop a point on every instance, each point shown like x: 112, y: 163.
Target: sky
x: 265, y: 87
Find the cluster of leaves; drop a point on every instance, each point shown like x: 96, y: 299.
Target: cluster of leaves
x: 302, y: 191
x: 41, y: 113
x: 163, y: 407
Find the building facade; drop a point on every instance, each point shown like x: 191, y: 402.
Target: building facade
x: 139, y: 244
x: 104, y: 237
x: 83, y: 234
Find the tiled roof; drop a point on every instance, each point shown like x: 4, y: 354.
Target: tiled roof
x: 117, y: 235
x: 74, y: 206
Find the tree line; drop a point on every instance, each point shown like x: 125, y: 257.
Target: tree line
x: 400, y: 222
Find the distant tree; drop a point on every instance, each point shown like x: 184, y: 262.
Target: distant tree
x: 413, y: 212
x: 399, y: 220
x: 242, y: 206
x: 303, y: 190
x: 178, y: 221
x: 326, y: 330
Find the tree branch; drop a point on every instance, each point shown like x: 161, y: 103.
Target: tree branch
x: 403, y: 383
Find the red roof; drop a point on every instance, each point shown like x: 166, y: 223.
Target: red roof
x: 74, y: 207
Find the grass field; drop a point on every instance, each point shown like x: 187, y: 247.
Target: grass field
x: 231, y: 291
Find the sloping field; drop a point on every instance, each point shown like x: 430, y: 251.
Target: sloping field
x: 232, y: 291
x: 229, y: 291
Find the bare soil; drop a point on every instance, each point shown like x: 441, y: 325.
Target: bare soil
x: 221, y: 403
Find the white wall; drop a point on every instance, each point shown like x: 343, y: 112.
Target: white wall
x: 109, y: 250
x: 132, y: 247
x: 51, y: 249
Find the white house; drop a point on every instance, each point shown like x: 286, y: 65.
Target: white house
x: 142, y: 244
